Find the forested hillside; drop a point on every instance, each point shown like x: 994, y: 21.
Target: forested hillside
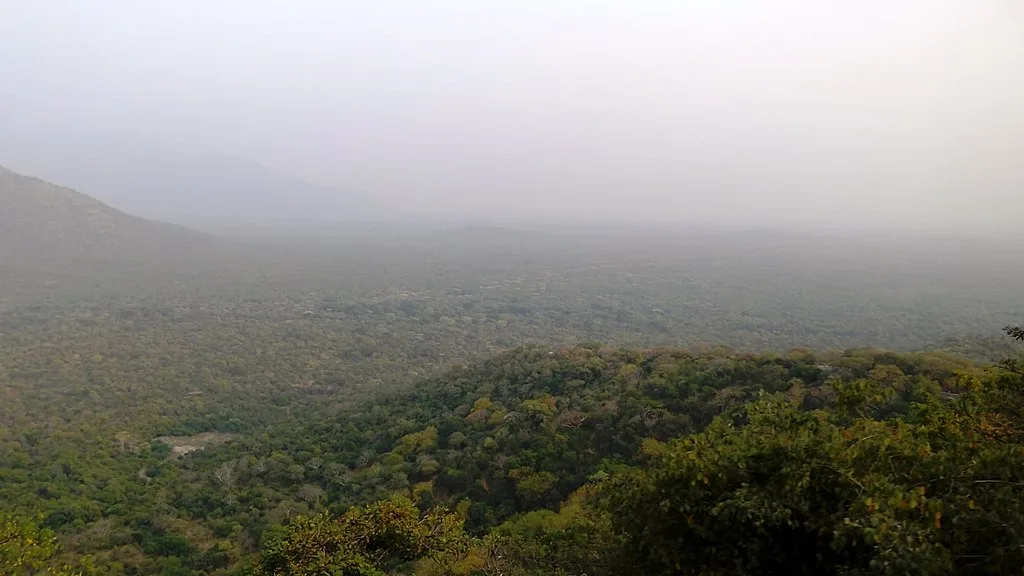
x: 521, y: 432
x: 44, y: 224
x: 58, y: 241
x: 459, y: 288
x: 172, y: 404
x: 883, y: 474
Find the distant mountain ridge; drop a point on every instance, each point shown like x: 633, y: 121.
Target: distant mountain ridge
x: 44, y: 224
x: 194, y: 189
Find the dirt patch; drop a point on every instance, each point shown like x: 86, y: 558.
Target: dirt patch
x: 181, y: 445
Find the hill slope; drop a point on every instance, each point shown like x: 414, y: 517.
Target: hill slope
x: 55, y: 241
x: 156, y: 181
x: 498, y: 440
x: 40, y: 221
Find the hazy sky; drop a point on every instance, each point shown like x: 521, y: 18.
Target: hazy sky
x: 785, y: 111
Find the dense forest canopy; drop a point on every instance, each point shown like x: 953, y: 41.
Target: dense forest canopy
x: 142, y: 469
x: 460, y: 288
x: 491, y: 401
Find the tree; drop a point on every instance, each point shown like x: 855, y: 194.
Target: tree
x: 1014, y: 365
x: 27, y: 549
x: 363, y: 542
x: 574, y: 541
x: 771, y: 489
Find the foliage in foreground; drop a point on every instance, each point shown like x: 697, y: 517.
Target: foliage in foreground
x: 27, y: 549
x: 770, y: 488
x: 502, y: 442
x: 363, y: 542
x: 773, y: 490
x: 283, y: 355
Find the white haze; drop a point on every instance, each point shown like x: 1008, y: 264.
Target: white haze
x: 896, y: 114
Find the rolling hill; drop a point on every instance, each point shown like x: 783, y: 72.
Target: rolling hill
x: 53, y: 239
x: 40, y: 221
